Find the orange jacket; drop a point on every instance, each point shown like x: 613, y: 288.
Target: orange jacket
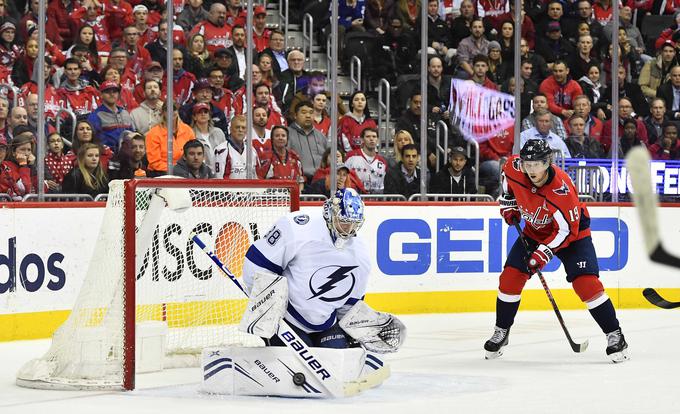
x: 157, y: 145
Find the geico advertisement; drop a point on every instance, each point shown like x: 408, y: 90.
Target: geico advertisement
x: 45, y: 253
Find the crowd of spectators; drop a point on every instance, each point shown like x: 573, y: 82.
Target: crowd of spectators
x: 106, y: 63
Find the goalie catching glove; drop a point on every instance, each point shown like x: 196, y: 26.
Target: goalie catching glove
x: 266, y: 305
x: 376, y: 331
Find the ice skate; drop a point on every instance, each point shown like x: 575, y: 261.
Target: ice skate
x: 494, y: 346
x: 617, y: 348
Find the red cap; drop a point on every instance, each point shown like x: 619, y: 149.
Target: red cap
x: 201, y: 106
x: 259, y: 10
x: 153, y: 64
x: 106, y: 85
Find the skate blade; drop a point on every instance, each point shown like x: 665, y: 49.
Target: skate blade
x: 619, y: 357
x: 493, y: 355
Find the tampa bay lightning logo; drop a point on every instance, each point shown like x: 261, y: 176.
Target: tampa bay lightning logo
x: 332, y: 283
x: 564, y: 190
x: 301, y: 219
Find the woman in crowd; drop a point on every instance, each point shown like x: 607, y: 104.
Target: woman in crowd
x: 88, y: 176
x: 401, y: 138
x: 321, y: 181
x: 126, y: 98
x: 322, y: 120
x: 9, y: 49
x: 197, y: 59
x: 497, y: 68
x: 353, y: 122
x: 17, y: 171
x: 507, y: 40
x: 282, y: 163
x: 84, y: 133
x: 264, y: 61
x: 594, y: 90
x: 85, y: 37
x: 22, y: 71
x: 56, y: 161
x: 205, y: 132
x: 157, y: 143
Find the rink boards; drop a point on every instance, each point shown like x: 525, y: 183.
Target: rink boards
x: 426, y: 258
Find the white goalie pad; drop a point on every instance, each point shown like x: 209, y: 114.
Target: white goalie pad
x: 376, y: 331
x: 266, y: 306
x: 276, y: 371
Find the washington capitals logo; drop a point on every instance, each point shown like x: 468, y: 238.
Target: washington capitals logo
x: 564, y: 190
x: 332, y: 283
x: 516, y: 164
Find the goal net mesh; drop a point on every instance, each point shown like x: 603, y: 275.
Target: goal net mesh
x: 179, y: 292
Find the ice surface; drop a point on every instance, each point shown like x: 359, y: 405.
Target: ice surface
x: 440, y: 370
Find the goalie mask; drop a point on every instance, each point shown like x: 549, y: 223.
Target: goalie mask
x: 344, y: 214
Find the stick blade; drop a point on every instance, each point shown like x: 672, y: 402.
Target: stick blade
x: 655, y: 299
x: 578, y: 348
x: 644, y: 196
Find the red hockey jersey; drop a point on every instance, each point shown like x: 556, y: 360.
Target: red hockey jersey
x: 553, y: 213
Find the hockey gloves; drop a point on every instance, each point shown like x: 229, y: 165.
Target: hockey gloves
x: 509, y: 209
x: 539, y: 258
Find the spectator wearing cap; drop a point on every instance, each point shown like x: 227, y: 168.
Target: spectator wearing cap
x: 291, y: 80
x: 657, y: 71
x: 182, y: 81
x: 226, y: 61
x: 193, y: 162
x: 281, y: 163
x: 457, y: 178
x: 192, y: 14
x: 9, y: 47
x: 261, y: 34
x: 553, y: 46
x: 215, y: 30
x: 76, y: 94
x: 498, y: 69
x: 370, y: 166
x: 126, y: 99
x: 138, y: 57
x: 109, y: 120
x: 141, y: 18
x: 148, y: 113
x: 157, y: 142
x: 405, y: 179
x: 203, y: 93
x: 205, y: 132
x: 277, y: 50
x: 152, y: 71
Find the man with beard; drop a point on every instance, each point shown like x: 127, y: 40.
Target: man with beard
x: 560, y: 90
x: 148, y: 113
x: 238, y: 37
x: 471, y: 46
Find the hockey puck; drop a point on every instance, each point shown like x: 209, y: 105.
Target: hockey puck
x: 299, y: 378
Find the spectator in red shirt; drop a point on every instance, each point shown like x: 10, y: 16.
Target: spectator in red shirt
x: 76, y: 94
x: 56, y: 161
x: 322, y: 121
x: 183, y: 81
x: 668, y: 147
x: 492, y: 155
x: 216, y: 32
x: 140, y: 15
x: 91, y: 14
x: 17, y: 174
x: 480, y: 71
x: 30, y: 19
x: 282, y: 162
x: 59, y: 11
x: 354, y: 122
x: 560, y: 90
x: 117, y: 15
x: 138, y: 57
x: 236, y: 13
x: 9, y: 48
x: 154, y: 71
x: 261, y: 34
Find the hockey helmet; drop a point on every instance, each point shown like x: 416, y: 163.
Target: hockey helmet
x: 535, y: 150
x: 344, y: 214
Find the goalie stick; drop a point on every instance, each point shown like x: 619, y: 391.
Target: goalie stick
x: 646, y: 203
x: 290, y: 338
x: 574, y: 346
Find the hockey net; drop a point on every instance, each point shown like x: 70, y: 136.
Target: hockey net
x: 147, y: 280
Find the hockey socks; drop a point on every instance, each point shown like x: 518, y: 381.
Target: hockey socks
x: 604, y: 314
x: 505, y: 313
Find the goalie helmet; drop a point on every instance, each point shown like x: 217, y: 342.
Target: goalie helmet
x: 344, y: 214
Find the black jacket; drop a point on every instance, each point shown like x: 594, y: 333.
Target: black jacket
x: 395, y: 182
x: 74, y: 184
x: 443, y: 182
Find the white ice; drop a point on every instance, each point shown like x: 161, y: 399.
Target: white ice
x: 441, y: 369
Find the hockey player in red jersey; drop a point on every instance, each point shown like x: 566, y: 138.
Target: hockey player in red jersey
x: 557, y: 223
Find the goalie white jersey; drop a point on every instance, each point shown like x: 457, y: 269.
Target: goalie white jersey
x: 321, y: 278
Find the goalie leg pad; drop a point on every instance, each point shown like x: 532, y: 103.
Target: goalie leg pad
x: 376, y: 331
x: 266, y: 306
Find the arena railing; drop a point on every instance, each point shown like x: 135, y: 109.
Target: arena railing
x: 384, y: 108
x: 5, y: 197
x: 283, y: 17
x: 307, y: 39
x: 313, y: 197
x: 589, y: 181
x: 443, y: 150
x: 355, y: 73
x: 452, y: 197
x: 101, y: 197
x: 15, y: 92
x: 59, y: 197
x: 383, y: 197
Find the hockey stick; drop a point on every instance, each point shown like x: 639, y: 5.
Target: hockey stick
x: 655, y: 299
x: 646, y: 202
x: 574, y: 346
x: 335, y: 386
